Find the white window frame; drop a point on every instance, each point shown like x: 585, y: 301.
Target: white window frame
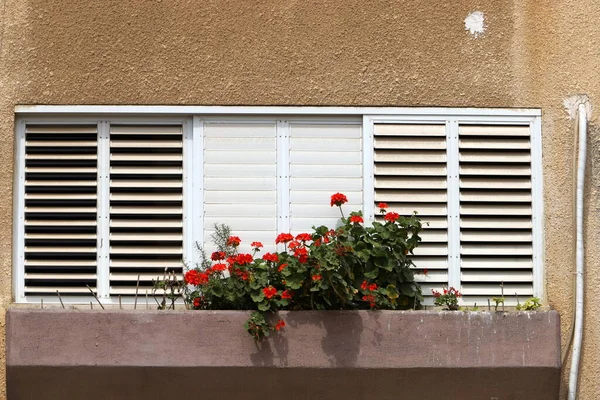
x: 192, y: 119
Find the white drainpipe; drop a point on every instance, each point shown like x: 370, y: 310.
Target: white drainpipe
x: 578, y: 334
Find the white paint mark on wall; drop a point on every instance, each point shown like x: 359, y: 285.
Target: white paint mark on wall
x: 572, y: 103
x: 475, y: 23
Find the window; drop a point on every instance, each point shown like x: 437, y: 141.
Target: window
x: 107, y: 194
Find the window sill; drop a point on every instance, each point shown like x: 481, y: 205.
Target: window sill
x: 56, y: 354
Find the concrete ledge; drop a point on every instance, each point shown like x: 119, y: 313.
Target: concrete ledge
x: 58, y: 354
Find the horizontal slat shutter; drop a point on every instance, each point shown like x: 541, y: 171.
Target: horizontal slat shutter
x: 495, y: 212
x: 324, y: 159
x: 146, y: 205
x: 240, y: 181
x: 60, y: 209
x: 411, y: 175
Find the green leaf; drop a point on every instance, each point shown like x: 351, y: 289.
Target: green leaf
x: 264, y: 306
x: 392, y: 292
x: 257, y: 297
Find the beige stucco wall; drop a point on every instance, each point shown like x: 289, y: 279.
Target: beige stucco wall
x: 296, y: 52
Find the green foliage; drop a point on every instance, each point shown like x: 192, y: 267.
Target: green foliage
x: 532, y: 304
x: 497, y: 301
x: 348, y: 268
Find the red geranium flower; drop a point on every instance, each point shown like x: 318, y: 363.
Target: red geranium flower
x: 304, y: 237
x: 284, y: 238
x: 197, y: 302
x: 243, y: 275
x: 382, y: 206
x: 271, y: 257
x: 301, y: 254
x: 279, y: 325
x: 338, y: 199
x: 435, y: 293
x: 357, y: 219
x: 219, y: 267
x: 217, y: 256
x: 281, y: 267
x: 317, y: 242
x: 364, y: 285
x: 243, y: 259
x: 371, y: 299
x: 317, y: 277
x: 230, y: 260
x: 425, y: 271
x: 233, y: 241
x: 193, y: 277
x: 391, y: 216
x: 269, y: 292
x: 286, y: 295
x: 372, y: 286
x: 256, y: 245
x: 293, y: 244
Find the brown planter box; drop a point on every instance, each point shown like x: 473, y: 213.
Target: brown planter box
x: 69, y: 354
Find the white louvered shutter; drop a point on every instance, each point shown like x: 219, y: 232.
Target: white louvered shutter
x: 324, y: 159
x: 60, y: 209
x: 146, y: 209
x: 240, y: 181
x: 411, y: 175
x: 495, y: 211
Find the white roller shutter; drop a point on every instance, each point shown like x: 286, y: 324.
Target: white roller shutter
x: 60, y: 208
x: 146, y: 205
x: 324, y: 158
x: 496, y: 239
x: 240, y: 181
x: 411, y: 175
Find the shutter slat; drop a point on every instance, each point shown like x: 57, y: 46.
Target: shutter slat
x: 496, y: 241
x: 146, y: 205
x: 240, y: 164
x: 60, y: 209
x: 411, y: 175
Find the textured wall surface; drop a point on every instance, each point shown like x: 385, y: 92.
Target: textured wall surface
x: 529, y: 53
x: 348, y: 355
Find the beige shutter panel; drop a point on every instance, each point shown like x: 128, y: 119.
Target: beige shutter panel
x: 60, y: 209
x: 324, y: 159
x: 146, y: 205
x: 411, y: 175
x: 240, y: 181
x: 496, y: 244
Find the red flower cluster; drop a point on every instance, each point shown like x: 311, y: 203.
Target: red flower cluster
x: 304, y: 237
x: 357, y: 219
x: 197, y: 301
x: 371, y: 299
x: 284, y: 238
x: 233, y: 241
x: 281, y: 267
x: 391, y: 216
x: 301, y: 253
x: 279, y: 325
x: 271, y: 257
x: 368, y: 287
x: 218, y: 268
x: 382, y: 206
x: 338, y: 199
x: 243, y: 259
x: 286, y: 295
x: 450, y: 291
x: 193, y: 277
x: 269, y: 292
x: 317, y: 277
x: 256, y: 245
x: 217, y: 256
